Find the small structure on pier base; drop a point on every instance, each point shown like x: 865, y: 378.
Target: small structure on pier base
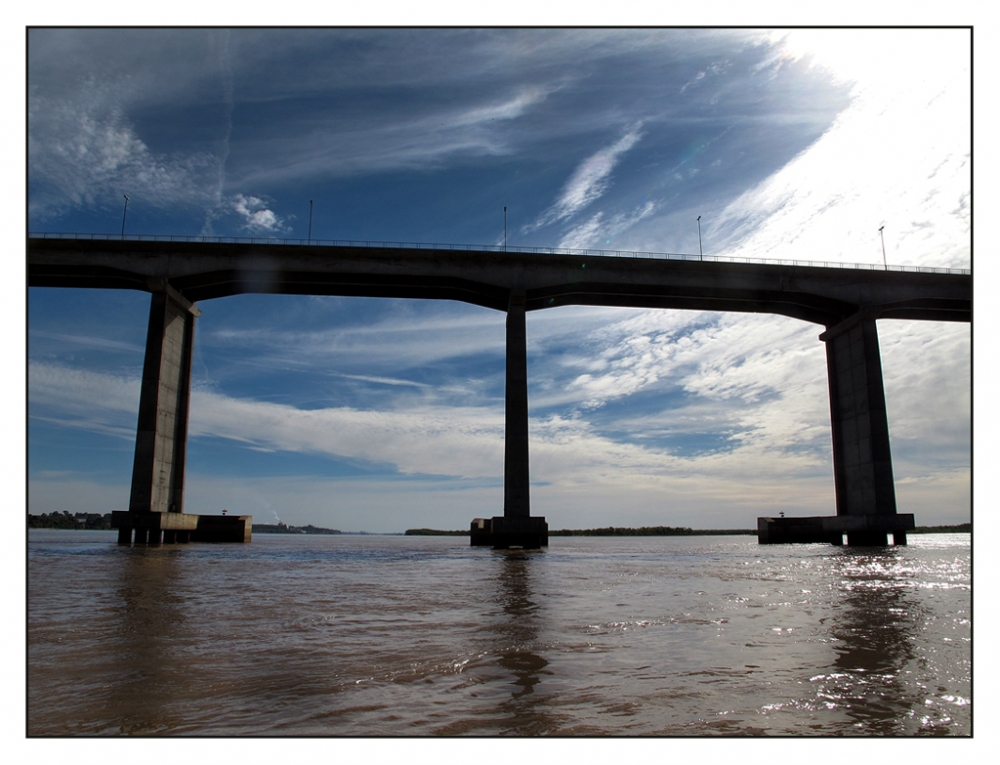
x: 154, y: 528
x: 859, y: 529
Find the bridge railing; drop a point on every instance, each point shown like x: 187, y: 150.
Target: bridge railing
x: 497, y: 248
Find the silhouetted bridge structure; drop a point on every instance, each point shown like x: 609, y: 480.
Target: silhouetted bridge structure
x: 180, y: 272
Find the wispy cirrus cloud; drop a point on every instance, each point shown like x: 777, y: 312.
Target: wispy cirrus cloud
x: 98, y: 402
x: 589, y: 181
x: 388, y: 341
x: 870, y: 168
x: 86, y: 153
x: 462, y: 442
x: 762, y: 396
x: 393, y: 142
x: 598, y: 231
x: 630, y: 409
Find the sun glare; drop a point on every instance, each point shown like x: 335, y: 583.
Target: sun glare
x: 892, y: 57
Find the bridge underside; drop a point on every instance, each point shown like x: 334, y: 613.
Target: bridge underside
x: 846, y: 302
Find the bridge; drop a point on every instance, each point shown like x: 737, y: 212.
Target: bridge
x: 182, y: 271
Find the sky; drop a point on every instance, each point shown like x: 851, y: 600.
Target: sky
x: 379, y: 415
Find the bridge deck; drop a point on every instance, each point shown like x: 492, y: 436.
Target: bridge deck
x: 205, y: 270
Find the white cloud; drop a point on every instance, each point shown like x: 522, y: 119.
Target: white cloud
x: 257, y: 217
x: 405, y: 336
x: 927, y: 368
x: 83, y: 152
x: 751, y: 380
x: 898, y: 156
x: 80, y: 342
x: 889, y: 159
x: 94, y: 401
x: 589, y: 181
x: 393, y: 142
x: 595, y: 232
x: 465, y: 442
x: 510, y: 109
x: 386, y: 381
x: 771, y: 401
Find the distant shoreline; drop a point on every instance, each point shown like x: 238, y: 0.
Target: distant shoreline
x: 281, y: 528
x: 671, y: 531
x: 610, y: 531
x: 98, y: 522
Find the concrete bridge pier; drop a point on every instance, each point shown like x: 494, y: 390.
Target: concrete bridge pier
x: 156, y: 507
x: 516, y: 527
x: 161, y: 435
x: 862, y: 462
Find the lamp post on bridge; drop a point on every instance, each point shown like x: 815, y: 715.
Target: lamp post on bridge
x: 123, y: 214
x: 884, y: 262
x: 701, y: 253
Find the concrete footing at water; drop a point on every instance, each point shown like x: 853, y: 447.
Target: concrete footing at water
x: 871, y: 530
x: 502, y: 533
x: 167, y: 528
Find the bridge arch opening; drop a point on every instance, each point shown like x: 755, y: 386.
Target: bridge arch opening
x: 677, y: 418
x: 352, y: 413
x: 662, y: 417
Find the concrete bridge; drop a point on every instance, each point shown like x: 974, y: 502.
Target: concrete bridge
x: 180, y: 272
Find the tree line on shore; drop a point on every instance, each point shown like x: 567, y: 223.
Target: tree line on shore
x: 670, y: 531
x: 65, y: 520
x: 282, y: 528
x: 609, y: 531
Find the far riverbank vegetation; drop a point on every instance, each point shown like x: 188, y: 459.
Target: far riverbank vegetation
x: 96, y: 521
x: 671, y: 531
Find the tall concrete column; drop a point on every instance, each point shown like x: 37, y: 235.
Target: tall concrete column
x: 161, y: 436
x: 862, y: 462
x: 516, y: 527
x: 515, y: 474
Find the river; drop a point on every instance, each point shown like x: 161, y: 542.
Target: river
x: 354, y: 635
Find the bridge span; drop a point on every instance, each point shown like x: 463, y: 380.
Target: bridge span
x: 845, y: 301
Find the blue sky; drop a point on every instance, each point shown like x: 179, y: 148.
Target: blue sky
x: 381, y: 415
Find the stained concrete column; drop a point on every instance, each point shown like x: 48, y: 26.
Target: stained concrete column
x: 862, y: 462
x: 515, y: 474
x: 161, y: 436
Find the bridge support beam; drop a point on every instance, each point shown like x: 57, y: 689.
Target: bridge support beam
x: 161, y: 435
x: 862, y: 462
x: 516, y: 527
